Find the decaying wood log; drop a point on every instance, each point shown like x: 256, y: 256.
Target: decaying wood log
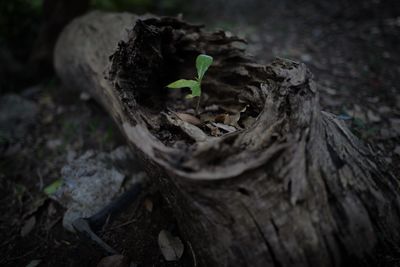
x: 292, y: 188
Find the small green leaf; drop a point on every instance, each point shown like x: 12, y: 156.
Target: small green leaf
x: 203, y: 62
x: 53, y: 187
x: 182, y: 83
x: 196, y: 90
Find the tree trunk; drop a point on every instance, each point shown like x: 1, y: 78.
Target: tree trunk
x: 292, y: 188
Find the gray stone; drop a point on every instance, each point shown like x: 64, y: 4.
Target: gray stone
x: 93, y: 180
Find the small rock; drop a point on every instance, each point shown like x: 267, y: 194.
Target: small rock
x: 393, y: 21
x: 93, y: 180
x: 305, y: 58
x: 60, y: 110
x: 388, y: 160
x: 48, y: 118
x: 386, y: 134
x: 171, y: 246
x: 373, y: 117
x: 384, y: 109
x: 84, y: 96
x: 395, y: 125
x: 189, y: 118
x: 375, y: 30
x: 386, y: 54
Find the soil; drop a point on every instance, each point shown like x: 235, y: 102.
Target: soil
x: 351, y: 50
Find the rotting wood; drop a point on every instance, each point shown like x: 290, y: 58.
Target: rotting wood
x: 295, y: 188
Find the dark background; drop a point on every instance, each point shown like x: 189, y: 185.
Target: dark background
x: 352, y: 48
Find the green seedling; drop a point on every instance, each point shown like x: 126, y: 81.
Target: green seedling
x: 203, y: 62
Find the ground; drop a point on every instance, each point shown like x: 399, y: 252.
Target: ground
x: 351, y: 50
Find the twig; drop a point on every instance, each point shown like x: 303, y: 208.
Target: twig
x: 122, y: 224
x: 22, y: 256
x: 41, y: 184
x: 193, y: 254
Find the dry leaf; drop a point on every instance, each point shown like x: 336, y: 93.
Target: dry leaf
x: 207, y: 117
x: 233, y: 120
x: 221, y: 118
x: 233, y: 109
x: 28, y: 226
x: 148, y: 204
x: 191, y: 130
x: 214, y: 131
x: 227, y: 128
x: 171, y: 246
x: 189, y: 118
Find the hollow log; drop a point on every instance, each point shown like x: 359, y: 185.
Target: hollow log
x: 293, y: 187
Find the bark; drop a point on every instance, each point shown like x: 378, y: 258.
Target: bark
x: 295, y: 188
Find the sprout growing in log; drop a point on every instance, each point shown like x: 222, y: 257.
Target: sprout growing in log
x: 203, y: 62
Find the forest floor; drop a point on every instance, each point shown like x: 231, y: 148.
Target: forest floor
x: 354, y: 58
